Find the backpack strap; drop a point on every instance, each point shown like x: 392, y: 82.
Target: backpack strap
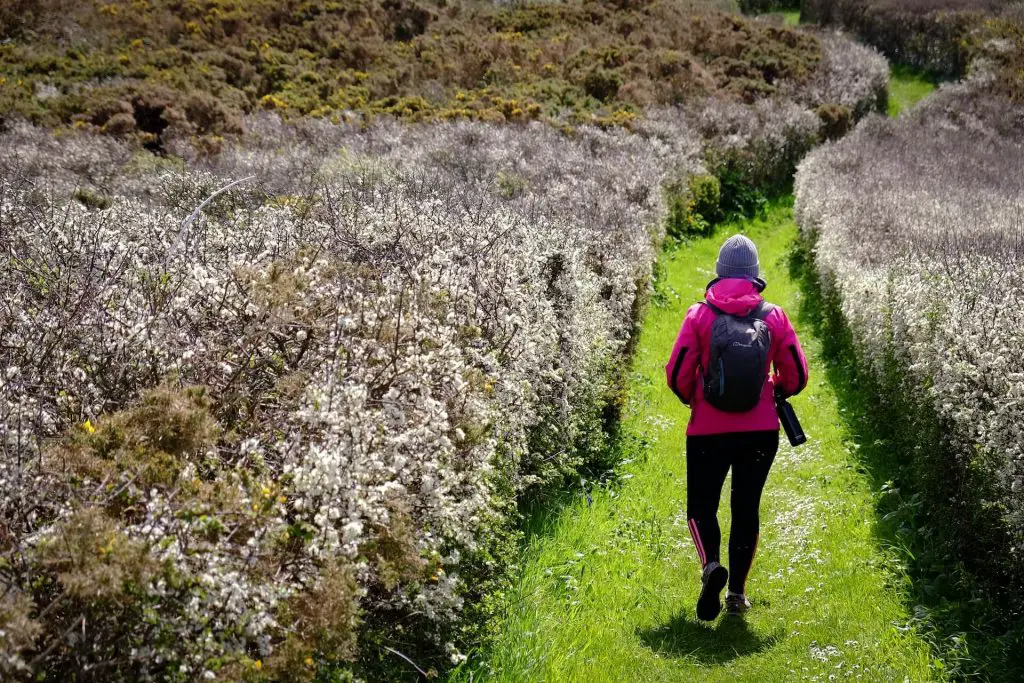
x: 714, y: 309
x: 762, y: 311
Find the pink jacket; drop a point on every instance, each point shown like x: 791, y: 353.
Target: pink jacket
x: 690, y: 354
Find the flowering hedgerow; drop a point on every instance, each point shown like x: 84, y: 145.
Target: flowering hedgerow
x: 225, y: 439
x: 918, y: 226
x: 852, y: 75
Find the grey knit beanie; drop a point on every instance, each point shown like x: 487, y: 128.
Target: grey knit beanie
x: 738, y: 258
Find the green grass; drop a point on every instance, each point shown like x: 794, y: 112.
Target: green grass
x: 906, y: 88
x: 606, y: 587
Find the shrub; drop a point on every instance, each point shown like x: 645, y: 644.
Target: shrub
x: 602, y: 84
x: 318, y: 399
x: 705, y: 192
x: 693, y: 208
x: 852, y: 76
x: 753, y: 150
x: 836, y: 120
x: 92, y: 200
x: 916, y: 230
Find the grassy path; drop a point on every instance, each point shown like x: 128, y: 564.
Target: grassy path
x: 907, y: 87
x: 606, y: 590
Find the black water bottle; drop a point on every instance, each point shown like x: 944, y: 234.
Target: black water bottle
x: 787, y: 416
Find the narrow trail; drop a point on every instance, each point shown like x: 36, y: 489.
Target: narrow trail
x: 607, y: 588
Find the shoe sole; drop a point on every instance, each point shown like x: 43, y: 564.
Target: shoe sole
x: 708, y: 604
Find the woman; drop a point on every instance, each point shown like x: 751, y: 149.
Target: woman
x: 721, y: 367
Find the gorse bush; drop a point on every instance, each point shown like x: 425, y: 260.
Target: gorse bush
x: 694, y: 208
x: 165, y: 67
x: 917, y: 231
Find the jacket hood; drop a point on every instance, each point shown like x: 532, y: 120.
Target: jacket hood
x: 735, y: 296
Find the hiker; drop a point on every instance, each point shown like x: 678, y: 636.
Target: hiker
x: 721, y: 367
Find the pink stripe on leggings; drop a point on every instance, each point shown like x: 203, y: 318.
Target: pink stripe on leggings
x: 696, y: 541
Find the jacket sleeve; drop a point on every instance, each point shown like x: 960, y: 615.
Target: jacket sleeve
x: 681, y: 371
x: 790, y: 361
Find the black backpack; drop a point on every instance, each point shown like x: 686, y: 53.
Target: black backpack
x: 738, y: 363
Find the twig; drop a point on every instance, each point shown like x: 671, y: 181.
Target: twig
x: 38, y: 659
x: 394, y: 651
x: 183, y: 237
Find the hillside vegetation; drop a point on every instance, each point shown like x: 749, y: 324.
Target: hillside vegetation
x: 143, y: 67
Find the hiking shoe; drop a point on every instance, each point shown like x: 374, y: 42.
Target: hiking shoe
x: 714, y: 579
x: 736, y: 604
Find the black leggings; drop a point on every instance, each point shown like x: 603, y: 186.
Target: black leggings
x: 708, y: 459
